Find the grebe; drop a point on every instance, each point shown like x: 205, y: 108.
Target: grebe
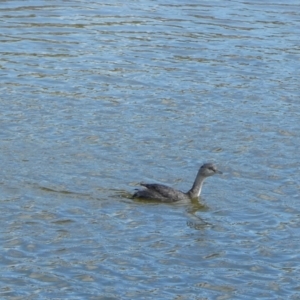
x: 167, y: 194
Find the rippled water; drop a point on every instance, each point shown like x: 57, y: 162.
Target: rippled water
x: 96, y: 97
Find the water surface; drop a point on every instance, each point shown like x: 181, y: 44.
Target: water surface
x: 96, y: 97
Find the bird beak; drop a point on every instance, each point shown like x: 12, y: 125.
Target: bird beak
x: 219, y: 172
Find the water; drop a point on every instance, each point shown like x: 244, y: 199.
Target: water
x: 96, y: 97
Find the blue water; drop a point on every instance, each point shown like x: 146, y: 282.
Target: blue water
x: 97, y: 97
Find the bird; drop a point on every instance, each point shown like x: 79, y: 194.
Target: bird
x: 165, y: 193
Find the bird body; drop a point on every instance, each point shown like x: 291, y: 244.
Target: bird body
x: 164, y: 193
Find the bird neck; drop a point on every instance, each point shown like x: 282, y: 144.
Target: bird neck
x: 195, y: 191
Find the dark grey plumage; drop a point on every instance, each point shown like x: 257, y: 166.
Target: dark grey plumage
x: 167, y: 194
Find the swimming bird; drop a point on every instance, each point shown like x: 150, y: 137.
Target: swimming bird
x: 164, y: 193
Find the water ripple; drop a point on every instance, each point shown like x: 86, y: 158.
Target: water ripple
x: 97, y: 97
